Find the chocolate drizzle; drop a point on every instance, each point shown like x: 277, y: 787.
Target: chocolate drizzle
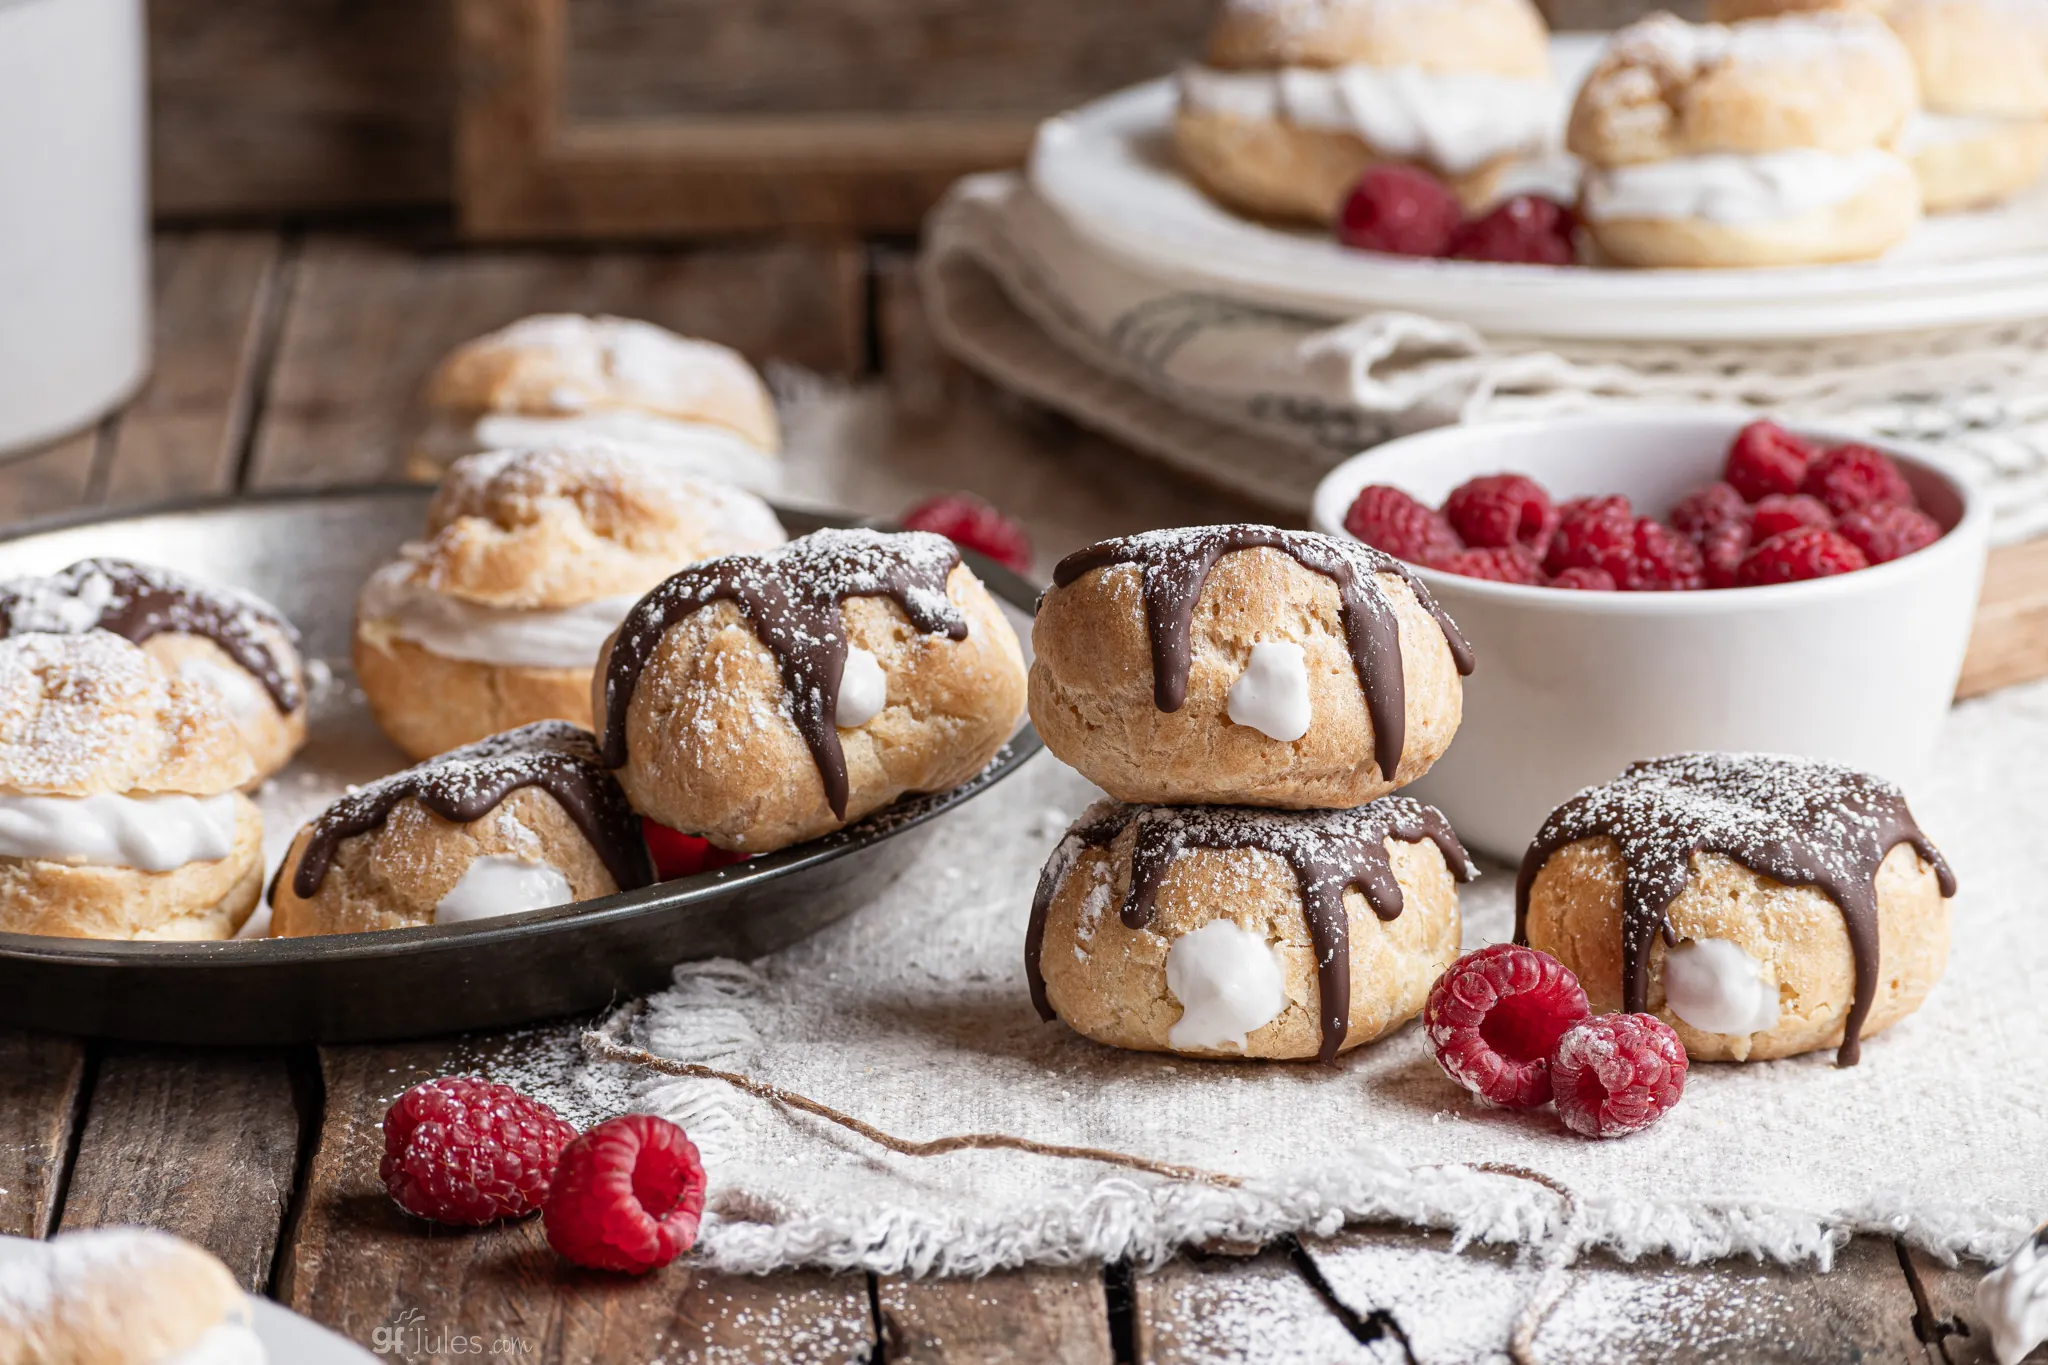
x: 469, y: 783
x: 791, y: 596
x: 1330, y: 852
x: 1796, y: 821
x: 139, y: 601
x: 1176, y: 564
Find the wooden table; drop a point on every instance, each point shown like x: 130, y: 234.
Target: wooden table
x: 291, y: 359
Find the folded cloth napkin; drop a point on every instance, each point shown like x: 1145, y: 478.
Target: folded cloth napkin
x: 1263, y: 401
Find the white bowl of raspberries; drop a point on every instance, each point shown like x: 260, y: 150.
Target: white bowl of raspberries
x: 1651, y: 583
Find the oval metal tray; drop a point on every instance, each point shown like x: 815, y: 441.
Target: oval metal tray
x: 308, y: 552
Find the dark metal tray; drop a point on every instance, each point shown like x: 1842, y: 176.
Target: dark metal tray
x: 308, y: 552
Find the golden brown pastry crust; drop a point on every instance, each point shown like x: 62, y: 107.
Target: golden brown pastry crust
x: 427, y: 703
x: 1995, y: 164
x: 113, y: 1296
x: 1496, y: 37
x: 273, y: 737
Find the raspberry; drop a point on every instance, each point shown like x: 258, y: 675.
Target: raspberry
x: 1400, y: 210
x: 1523, y: 230
x: 1585, y: 580
x: 1661, y: 560
x: 1500, y: 510
x: 1722, y: 551
x: 1495, y: 1017
x: 1886, y: 530
x: 972, y: 524
x: 1617, y: 1074
x: 1708, y: 509
x: 1388, y: 519
x: 467, y: 1151
x: 1778, y: 513
x: 628, y: 1196
x: 1767, y: 459
x: 1849, y: 477
x: 683, y: 855
x: 1592, y: 533
x: 1514, y: 565
x: 1810, y: 552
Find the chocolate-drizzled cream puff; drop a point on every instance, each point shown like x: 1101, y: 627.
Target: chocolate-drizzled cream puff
x: 1298, y: 97
x: 530, y: 559
x: 1762, y: 906
x: 121, y: 815
x: 238, y: 645
x: 558, y: 377
x: 1767, y: 142
x: 521, y: 821
x: 761, y: 700
x: 123, y: 1296
x: 1235, y: 931
x: 1244, y: 664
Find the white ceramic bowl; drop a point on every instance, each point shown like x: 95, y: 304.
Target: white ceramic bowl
x: 1571, y: 687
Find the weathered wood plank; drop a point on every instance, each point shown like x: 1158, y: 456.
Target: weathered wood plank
x: 1457, y: 1308
x: 56, y: 478
x: 1597, y: 14
x: 1950, y: 1319
x: 363, y: 1268
x: 41, y: 1081
x: 1020, y: 1317
x: 202, y: 1143
x: 1204, y: 1311
x: 366, y: 321
x: 2009, y: 643
x: 184, y: 432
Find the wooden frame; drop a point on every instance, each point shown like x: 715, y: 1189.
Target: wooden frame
x: 524, y: 171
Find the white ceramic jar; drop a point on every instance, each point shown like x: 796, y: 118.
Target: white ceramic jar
x: 74, y: 214
x: 1571, y: 687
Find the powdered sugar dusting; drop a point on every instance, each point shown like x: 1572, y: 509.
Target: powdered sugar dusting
x: 602, y: 355
x: 1684, y: 51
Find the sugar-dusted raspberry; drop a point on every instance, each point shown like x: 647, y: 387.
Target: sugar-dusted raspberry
x: 1778, y: 513
x: 1721, y: 554
x: 1849, y: 477
x: 1500, y: 510
x: 973, y: 524
x: 468, y: 1151
x: 1526, y: 229
x: 1886, y: 530
x: 1494, y: 1019
x: 1616, y: 1074
x: 1399, y: 209
x: 1585, y: 580
x: 628, y: 1195
x: 1811, y: 552
x: 1512, y: 565
x: 1388, y: 519
x: 683, y: 855
x: 1592, y: 533
x: 1767, y: 459
x: 1661, y: 560
x: 1708, y: 509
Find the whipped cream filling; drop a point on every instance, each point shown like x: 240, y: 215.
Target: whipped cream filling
x: 1456, y: 121
x: 1926, y: 130
x: 229, y: 1343
x: 1716, y: 987
x: 1271, y: 695
x: 863, y: 690
x: 498, y: 884
x: 1732, y: 189
x: 2013, y: 1300
x: 700, y: 448
x: 563, y: 637
x: 147, y: 833
x: 243, y: 696
x: 1229, y: 985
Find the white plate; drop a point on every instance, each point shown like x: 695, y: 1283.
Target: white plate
x: 287, y: 1337
x: 1108, y: 168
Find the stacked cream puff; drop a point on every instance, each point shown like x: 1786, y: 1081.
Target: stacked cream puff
x: 1250, y: 698
x: 559, y: 378
x: 495, y: 618
x: 123, y: 1296
x: 1296, y: 98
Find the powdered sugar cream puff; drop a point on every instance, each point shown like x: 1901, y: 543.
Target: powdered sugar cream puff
x: 1296, y: 98
x: 123, y: 1296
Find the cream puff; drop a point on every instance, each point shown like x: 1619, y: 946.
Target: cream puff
x: 531, y: 557
x: 1982, y: 134
x: 521, y: 821
x: 559, y: 377
x: 1296, y: 98
x: 123, y: 1296
x: 121, y: 814
x: 1767, y: 142
x: 761, y: 700
x: 1223, y: 931
x: 237, y: 644
x: 1760, y: 905
x: 1245, y: 665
